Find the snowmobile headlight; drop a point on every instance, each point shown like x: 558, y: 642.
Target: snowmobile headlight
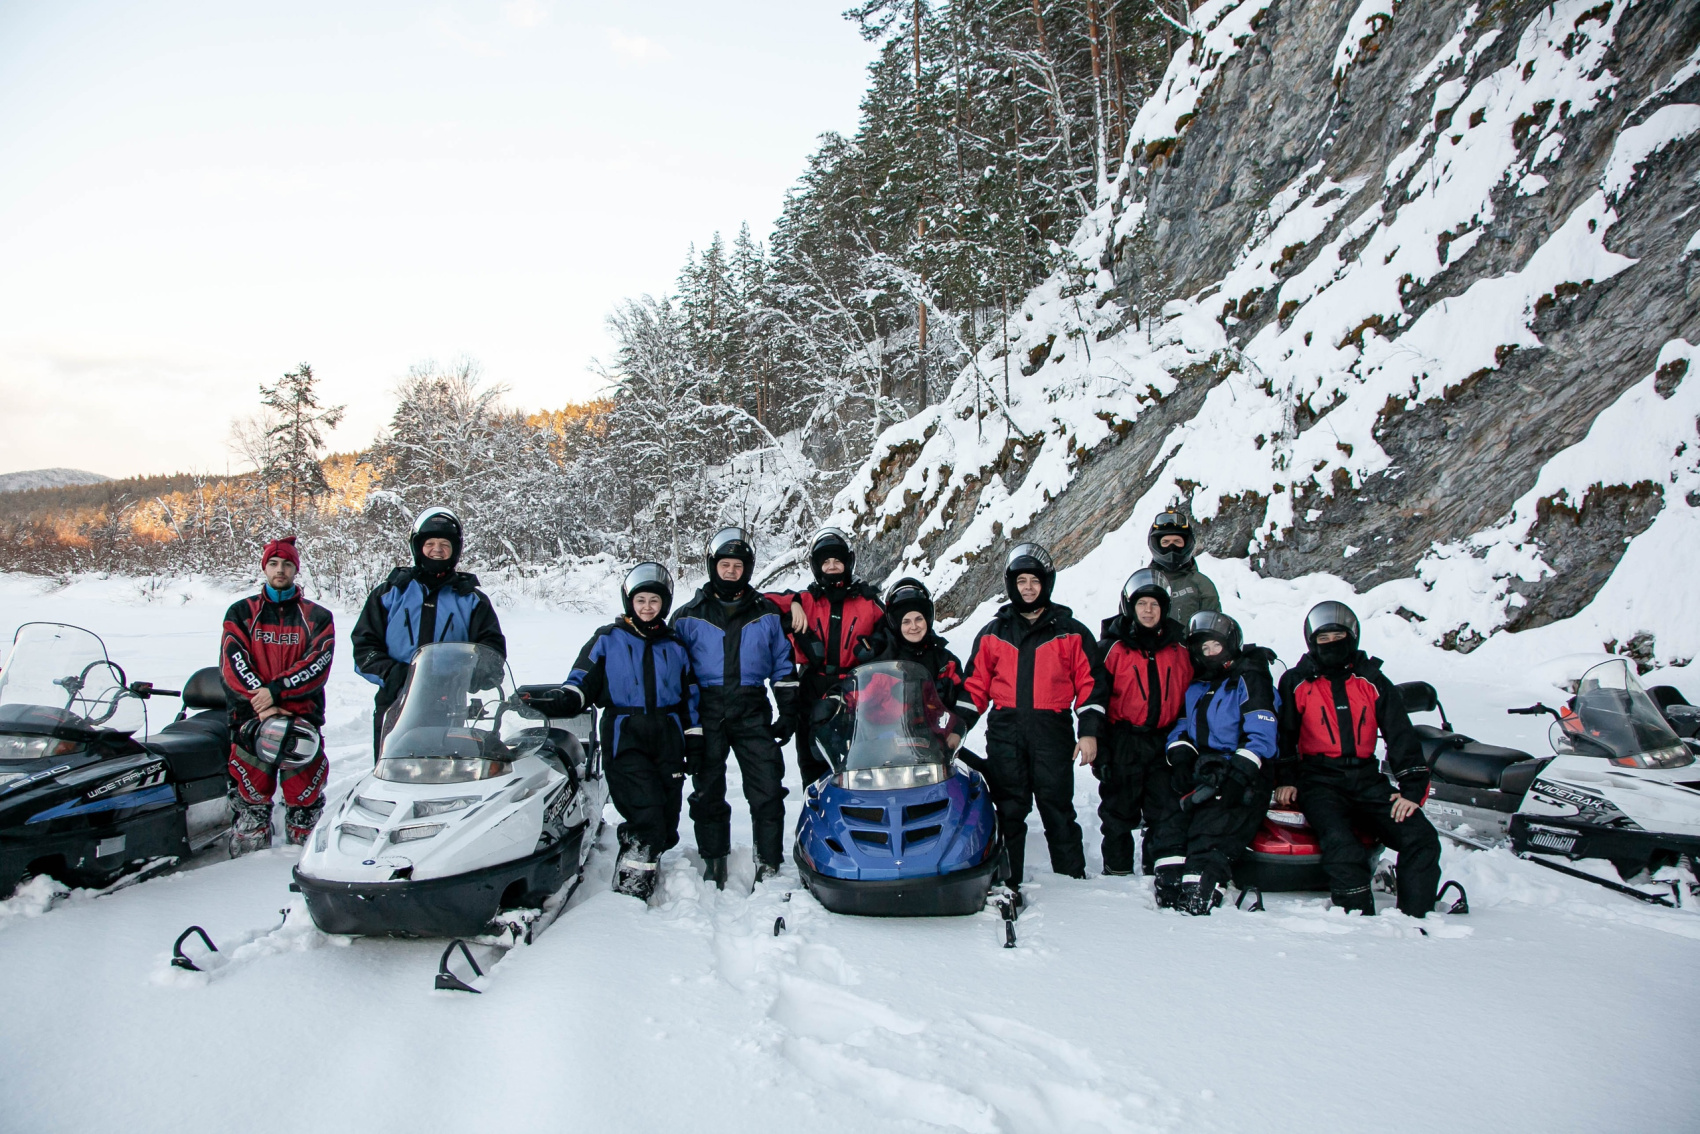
x: 33, y: 747
x: 414, y: 831
x: 1676, y: 756
x: 440, y: 769
x: 891, y: 779
x: 425, y: 808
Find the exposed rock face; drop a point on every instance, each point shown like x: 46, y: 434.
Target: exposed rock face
x: 1355, y: 143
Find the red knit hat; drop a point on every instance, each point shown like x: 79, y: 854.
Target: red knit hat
x: 281, y: 549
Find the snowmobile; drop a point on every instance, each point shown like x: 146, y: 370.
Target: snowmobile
x: 478, y: 811
x: 897, y: 828
x: 81, y: 798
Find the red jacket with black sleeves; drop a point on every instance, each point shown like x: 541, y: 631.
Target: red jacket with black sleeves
x: 1047, y: 665
x: 839, y: 622
x: 282, y: 646
x: 1148, y: 673
x: 1332, y: 719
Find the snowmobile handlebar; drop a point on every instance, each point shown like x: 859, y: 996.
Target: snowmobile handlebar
x: 146, y: 689
x: 1535, y: 710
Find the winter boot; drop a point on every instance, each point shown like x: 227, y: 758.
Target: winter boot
x: 1199, y: 895
x: 1359, y: 901
x: 714, y: 870
x: 298, y: 822
x: 635, y: 872
x: 1110, y: 872
x: 253, y: 828
x: 1167, y: 886
x: 764, y: 871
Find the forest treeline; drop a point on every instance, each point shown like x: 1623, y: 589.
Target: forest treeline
x: 750, y: 393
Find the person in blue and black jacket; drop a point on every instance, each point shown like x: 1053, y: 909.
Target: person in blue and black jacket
x: 1218, y: 754
x: 639, y: 673
x: 427, y: 602
x: 737, y: 643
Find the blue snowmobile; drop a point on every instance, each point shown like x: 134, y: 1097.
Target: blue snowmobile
x: 897, y: 828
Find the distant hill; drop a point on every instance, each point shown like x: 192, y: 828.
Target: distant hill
x: 48, y: 478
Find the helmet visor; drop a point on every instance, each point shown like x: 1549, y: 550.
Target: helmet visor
x: 1025, y: 557
x: 648, y: 577
x: 1330, y: 615
x: 730, y: 543
x: 436, y: 522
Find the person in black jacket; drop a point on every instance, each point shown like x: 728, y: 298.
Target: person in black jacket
x: 415, y: 606
x: 905, y: 633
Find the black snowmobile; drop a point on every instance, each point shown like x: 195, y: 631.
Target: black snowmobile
x: 81, y: 798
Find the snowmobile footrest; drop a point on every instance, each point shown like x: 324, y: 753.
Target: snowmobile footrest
x: 180, y: 959
x: 447, y: 981
x: 1462, y: 905
x: 1256, y: 901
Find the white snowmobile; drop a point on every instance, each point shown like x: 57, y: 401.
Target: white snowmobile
x: 477, y: 815
x: 1620, y: 785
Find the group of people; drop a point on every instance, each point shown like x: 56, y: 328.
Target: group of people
x: 1183, y: 724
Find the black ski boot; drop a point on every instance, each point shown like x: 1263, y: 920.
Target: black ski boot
x: 1199, y: 895
x: 714, y: 870
x: 635, y: 872
x: 764, y: 871
x: 298, y: 822
x: 1166, y: 886
x: 1359, y: 901
x: 253, y: 828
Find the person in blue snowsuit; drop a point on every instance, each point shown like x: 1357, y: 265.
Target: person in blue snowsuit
x: 427, y: 602
x: 737, y: 644
x: 639, y: 673
x: 1219, y: 751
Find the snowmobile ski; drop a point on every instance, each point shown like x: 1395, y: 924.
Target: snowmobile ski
x: 1256, y: 901
x: 515, y: 928
x: 181, y: 960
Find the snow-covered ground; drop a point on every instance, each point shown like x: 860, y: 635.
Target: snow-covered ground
x: 1553, y: 1005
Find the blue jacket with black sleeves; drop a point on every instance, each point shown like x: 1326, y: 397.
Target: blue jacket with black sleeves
x: 1233, y: 714
x: 736, y: 648
x: 644, y: 684
x: 387, y: 634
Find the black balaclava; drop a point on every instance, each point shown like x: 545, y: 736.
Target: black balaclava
x: 435, y: 523
x: 729, y: 543
x: 1144, y: 583
x: 1332, y: 657
x: 1029, y: 559
x: 908, y: 595
x: 831, y: 543
x: 1206, y: 626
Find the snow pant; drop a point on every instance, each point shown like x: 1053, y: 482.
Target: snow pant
x: 747, y: 734
x: 1133, y: 785
x: 1030, y: 757
x: 809, y: 763
x: 1218, y: 831
x: 646, y: 777
x: 384, y: 714
x: 303, y: 785
x: 1340, y: 796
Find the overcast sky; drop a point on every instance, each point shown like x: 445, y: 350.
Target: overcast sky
x: 195, y: 196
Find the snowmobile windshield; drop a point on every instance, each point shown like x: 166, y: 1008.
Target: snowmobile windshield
x: 891, y: 730
x: 1616, y: 718
x: 59, y: 676
x: 457, y: 713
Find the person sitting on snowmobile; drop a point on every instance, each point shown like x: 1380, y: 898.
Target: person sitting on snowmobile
x: 639, y: 672
x: 275, y: 658
x: 1029, y: 666
x: 1173, y: 546
x: 1145, y: 658
x: 737, y: 645
x: 905, y: 633
x: 828, y: 622
x: 1217, y: 754
x: 1333, y: 705
x: 415, y: 606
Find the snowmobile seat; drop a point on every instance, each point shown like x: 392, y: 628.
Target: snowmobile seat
x: 196, y: 747
x: 1474, y: 764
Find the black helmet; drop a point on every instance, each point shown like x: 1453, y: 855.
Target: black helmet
x: 1172, y: 522
x: 905, y: 595
x: 1029, y: 559
x: 1212, y: 626
x: 1144, y: 583
x: 647, y: 578
x: 831, y: 543
x: 731, y: 543
x: 1331, y: 615
x: 436, y: 523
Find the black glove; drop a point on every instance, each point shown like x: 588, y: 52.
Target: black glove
x: 696, y: 753
x: 393, y: 681
x: 1207, y: 775
x: 784, y: 728
x: 1243, y: 784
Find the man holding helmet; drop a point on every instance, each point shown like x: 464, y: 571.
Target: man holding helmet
x: 1146, y: 662
x: 737, y: 645
x: 1218, y: 752
x: 275, y: 658
x: 829, y: 621
x: 1334, y: 704
x: 1029, y: 666
x: 415, y: 606
x: 639, y: 673
x: 1173, y: 546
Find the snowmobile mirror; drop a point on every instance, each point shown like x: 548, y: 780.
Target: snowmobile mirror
x: 204, y: 689
x: 1419, y: 696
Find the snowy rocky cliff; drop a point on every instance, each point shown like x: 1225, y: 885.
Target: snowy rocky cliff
x: 1405, y: 293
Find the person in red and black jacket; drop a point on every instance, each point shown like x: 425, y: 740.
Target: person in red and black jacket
x: 1029, y: 666
x: 829, y: 621
x: 906, y: 634
x: 275, y: 657
x: 1146, y: 661
x: 1334, y: 703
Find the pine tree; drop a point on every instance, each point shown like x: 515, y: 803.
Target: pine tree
x: 292, y: 455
